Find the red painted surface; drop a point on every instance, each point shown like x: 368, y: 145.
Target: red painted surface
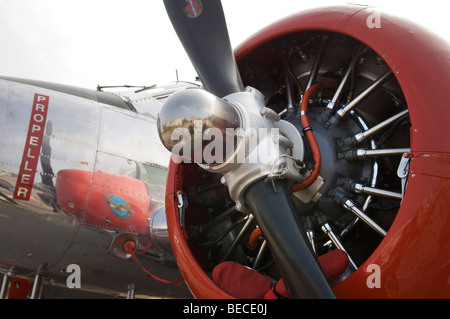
x: 414, y: 257
x: 20, y: 288
x: 32, y: 149
x: 199, y: 283
x: 82, y: 194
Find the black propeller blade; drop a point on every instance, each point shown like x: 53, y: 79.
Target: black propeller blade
x: 202, y: 30
x: 282, y: 228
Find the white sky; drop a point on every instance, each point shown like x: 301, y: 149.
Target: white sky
x: 115, y: 42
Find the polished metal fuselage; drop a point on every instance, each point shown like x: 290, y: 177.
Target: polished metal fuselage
x: 113, y: 146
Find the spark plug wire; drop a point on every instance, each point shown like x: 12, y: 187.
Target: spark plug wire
x: 308, y: 133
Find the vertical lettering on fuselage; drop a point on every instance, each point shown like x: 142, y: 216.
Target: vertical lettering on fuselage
x: 32, y: 149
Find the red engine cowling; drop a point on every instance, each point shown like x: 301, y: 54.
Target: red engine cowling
x: 413, y: 257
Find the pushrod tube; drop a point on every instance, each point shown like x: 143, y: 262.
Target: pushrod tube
x: 381, y: 152
x: 350, y: 206
x: 356, y: 101
x: 376, y: 191
x: 359, y: 137
x: 317, y: 62
x: 375, y: 85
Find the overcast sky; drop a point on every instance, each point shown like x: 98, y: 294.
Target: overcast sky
x: 114, y: 42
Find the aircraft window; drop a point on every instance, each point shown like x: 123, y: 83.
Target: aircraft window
x: 156, y: 175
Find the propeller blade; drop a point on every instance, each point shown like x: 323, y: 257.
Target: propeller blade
x: 201, y: 28
x: 283, y: 230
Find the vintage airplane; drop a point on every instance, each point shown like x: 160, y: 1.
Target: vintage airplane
x: 351, y: 203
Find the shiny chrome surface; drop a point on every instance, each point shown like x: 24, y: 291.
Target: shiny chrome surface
x: 159, y: 234
x: 191, y: 115
x: 91, y: 153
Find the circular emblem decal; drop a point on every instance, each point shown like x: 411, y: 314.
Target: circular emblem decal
x: 193, y: 8
x: 118, y: 206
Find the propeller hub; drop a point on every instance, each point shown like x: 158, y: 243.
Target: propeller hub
x: 196, y: 125
x: 236, y: 136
